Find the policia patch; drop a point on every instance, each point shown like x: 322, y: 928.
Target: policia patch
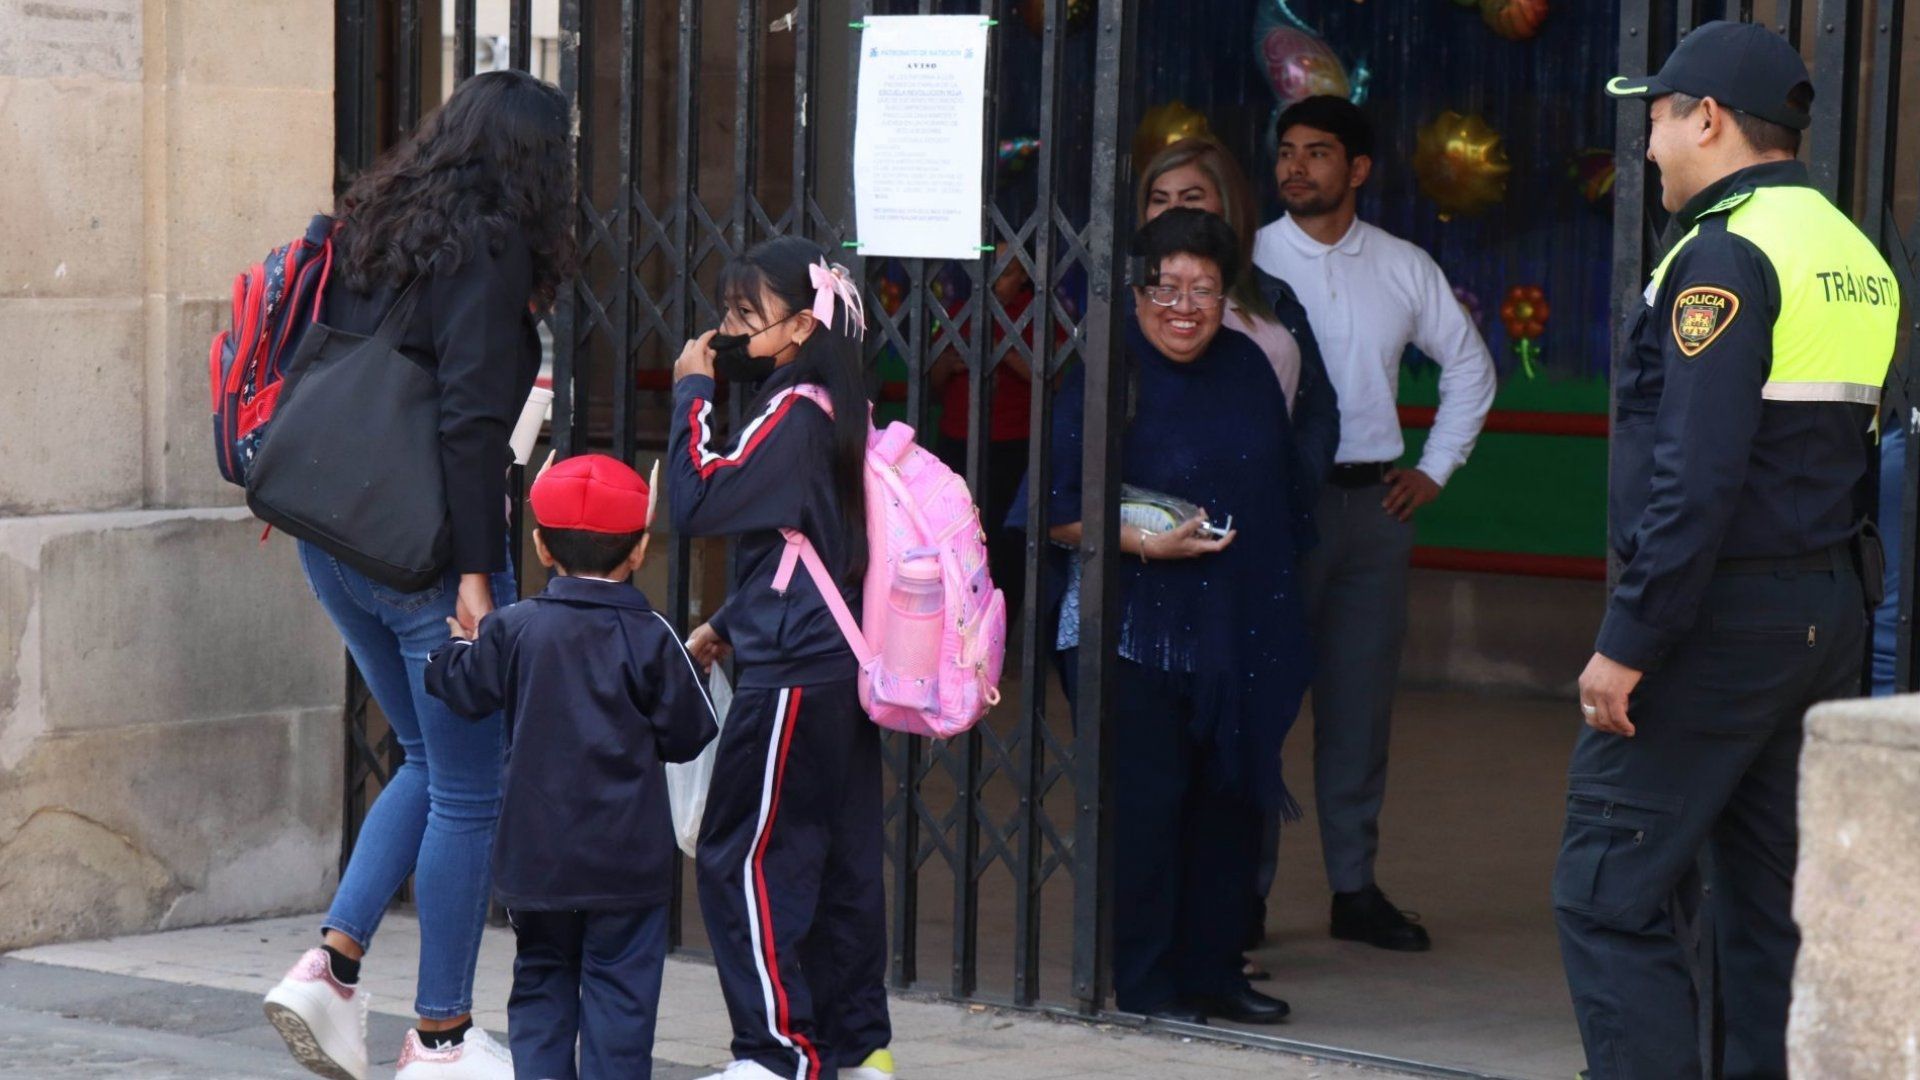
x: 1700, y: 315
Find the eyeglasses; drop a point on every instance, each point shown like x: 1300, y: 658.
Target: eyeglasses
x: 1168, y: 296
x: 745, y: 328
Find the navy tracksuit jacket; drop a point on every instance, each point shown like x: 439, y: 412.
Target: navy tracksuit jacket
x: 599, y: 693
x: 789, y: 866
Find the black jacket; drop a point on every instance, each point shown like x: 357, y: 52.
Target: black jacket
x: 1703, y: 467
x: 1316, y: 405
x: 471, y: 327
x: 776, y: 473
x: 598, y: 693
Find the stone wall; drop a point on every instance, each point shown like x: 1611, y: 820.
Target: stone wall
x: 1856, y: 988
x: 1500, y: 634
x: 170, y: 695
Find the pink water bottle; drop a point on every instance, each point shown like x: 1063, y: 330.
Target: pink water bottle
x: 915, y: 601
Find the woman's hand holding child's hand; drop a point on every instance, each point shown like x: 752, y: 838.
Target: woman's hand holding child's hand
x: 461, y: 632
x: 475, y: 601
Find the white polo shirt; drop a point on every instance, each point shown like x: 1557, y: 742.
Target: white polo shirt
x: 1368, y: 297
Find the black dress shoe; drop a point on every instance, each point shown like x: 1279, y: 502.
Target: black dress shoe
x: 1178, y: 1012
x: 1248, y: 1006
x: 1369, y: 916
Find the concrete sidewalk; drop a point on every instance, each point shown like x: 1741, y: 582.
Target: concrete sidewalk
x: 186, y: 1004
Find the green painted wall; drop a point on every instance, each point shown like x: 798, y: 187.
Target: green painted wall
x: 1533, y: 494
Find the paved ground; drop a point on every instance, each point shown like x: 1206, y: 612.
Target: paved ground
x: 185, y: 1005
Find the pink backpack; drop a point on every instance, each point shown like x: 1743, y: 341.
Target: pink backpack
x: 934, y: 668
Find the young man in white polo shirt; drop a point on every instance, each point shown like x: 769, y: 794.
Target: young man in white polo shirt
x: 1368, y: 295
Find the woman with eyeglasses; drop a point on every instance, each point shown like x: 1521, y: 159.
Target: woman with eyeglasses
x: 1213, y: 657
x: 1202, y: 175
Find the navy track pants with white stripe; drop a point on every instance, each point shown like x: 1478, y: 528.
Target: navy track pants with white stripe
x: 789, y: 866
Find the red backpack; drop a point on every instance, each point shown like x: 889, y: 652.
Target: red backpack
x: 273, y: 303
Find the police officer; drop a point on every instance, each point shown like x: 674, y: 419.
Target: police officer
x: 1744, y: 410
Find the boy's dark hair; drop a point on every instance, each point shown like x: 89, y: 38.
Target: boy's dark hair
x: 591, y: 553
x: 1186, y: 231
x: 1336, y: 116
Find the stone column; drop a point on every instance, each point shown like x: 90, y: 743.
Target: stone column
x: 171, y: 749
x: 1856, y: 988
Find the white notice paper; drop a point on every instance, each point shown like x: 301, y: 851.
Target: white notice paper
x: 916, y: 146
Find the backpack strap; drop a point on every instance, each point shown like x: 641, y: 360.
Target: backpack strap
x: 817, y: 394
x: 801, y: 550
x: 319, y: 235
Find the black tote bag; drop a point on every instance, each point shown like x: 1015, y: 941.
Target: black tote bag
x: 351, y: 462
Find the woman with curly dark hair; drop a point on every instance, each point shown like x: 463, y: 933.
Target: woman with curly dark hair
x: 461, y: 234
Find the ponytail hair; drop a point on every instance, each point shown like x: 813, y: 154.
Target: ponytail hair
x: 831, y: 357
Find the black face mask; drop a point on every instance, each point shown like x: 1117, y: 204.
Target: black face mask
x: 732, y: 362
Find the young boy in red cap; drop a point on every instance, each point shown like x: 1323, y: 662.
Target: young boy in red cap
x: 598, y: 694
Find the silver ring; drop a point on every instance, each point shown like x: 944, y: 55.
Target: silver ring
x: 1590, y: 710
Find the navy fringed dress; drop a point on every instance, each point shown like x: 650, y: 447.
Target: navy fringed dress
x: 1214, y: 660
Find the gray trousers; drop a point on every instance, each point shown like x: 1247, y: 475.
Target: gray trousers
x: 1355, y: 585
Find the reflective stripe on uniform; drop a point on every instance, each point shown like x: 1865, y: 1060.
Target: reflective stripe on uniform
x: 1850, y: 393
x: 1833, y: 335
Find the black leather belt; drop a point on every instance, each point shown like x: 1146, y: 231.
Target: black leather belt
x: 1837, y: 558
x: 1360, y: 475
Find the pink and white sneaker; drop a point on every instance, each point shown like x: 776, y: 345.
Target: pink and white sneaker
x: 477, y: 1057
x: 323, y: 1021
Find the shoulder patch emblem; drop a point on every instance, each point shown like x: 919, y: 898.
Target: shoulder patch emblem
x: 1728, y: 203
x: 1701, y: 314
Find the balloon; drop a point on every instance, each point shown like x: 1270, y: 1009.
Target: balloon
x: 1015, y: 153
x: 1525, y: 312
x: 1515, y: 20
x: 1525, y: 315
x: 1470, y: 303
x: 1297, y: 60
x: 1528, y: 350
x: 1300, y: 65
x: 1592, y: 169
x: 1164, y: 125
x: 1079, y: 14
x: 1460, y: 164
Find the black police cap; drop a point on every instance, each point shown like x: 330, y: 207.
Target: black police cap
x: 1742, y: 66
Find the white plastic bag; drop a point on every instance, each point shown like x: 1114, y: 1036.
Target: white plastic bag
x: 687, y: 783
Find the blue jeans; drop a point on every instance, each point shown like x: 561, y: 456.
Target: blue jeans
x: 1886, y: 620
x: 435, y: 818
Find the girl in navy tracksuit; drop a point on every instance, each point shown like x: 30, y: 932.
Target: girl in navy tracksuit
x: 789, y: 864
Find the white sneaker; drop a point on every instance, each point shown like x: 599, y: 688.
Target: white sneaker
x: 745, y: 1070
x: 323, y: 1021
x: 477, y: 1057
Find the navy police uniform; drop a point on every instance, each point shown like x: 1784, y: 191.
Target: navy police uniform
x: 1744, y: 410
x: 790, y: 855
x: 599, y: 693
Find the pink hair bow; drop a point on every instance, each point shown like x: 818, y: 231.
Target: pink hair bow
x: 829, y: 281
